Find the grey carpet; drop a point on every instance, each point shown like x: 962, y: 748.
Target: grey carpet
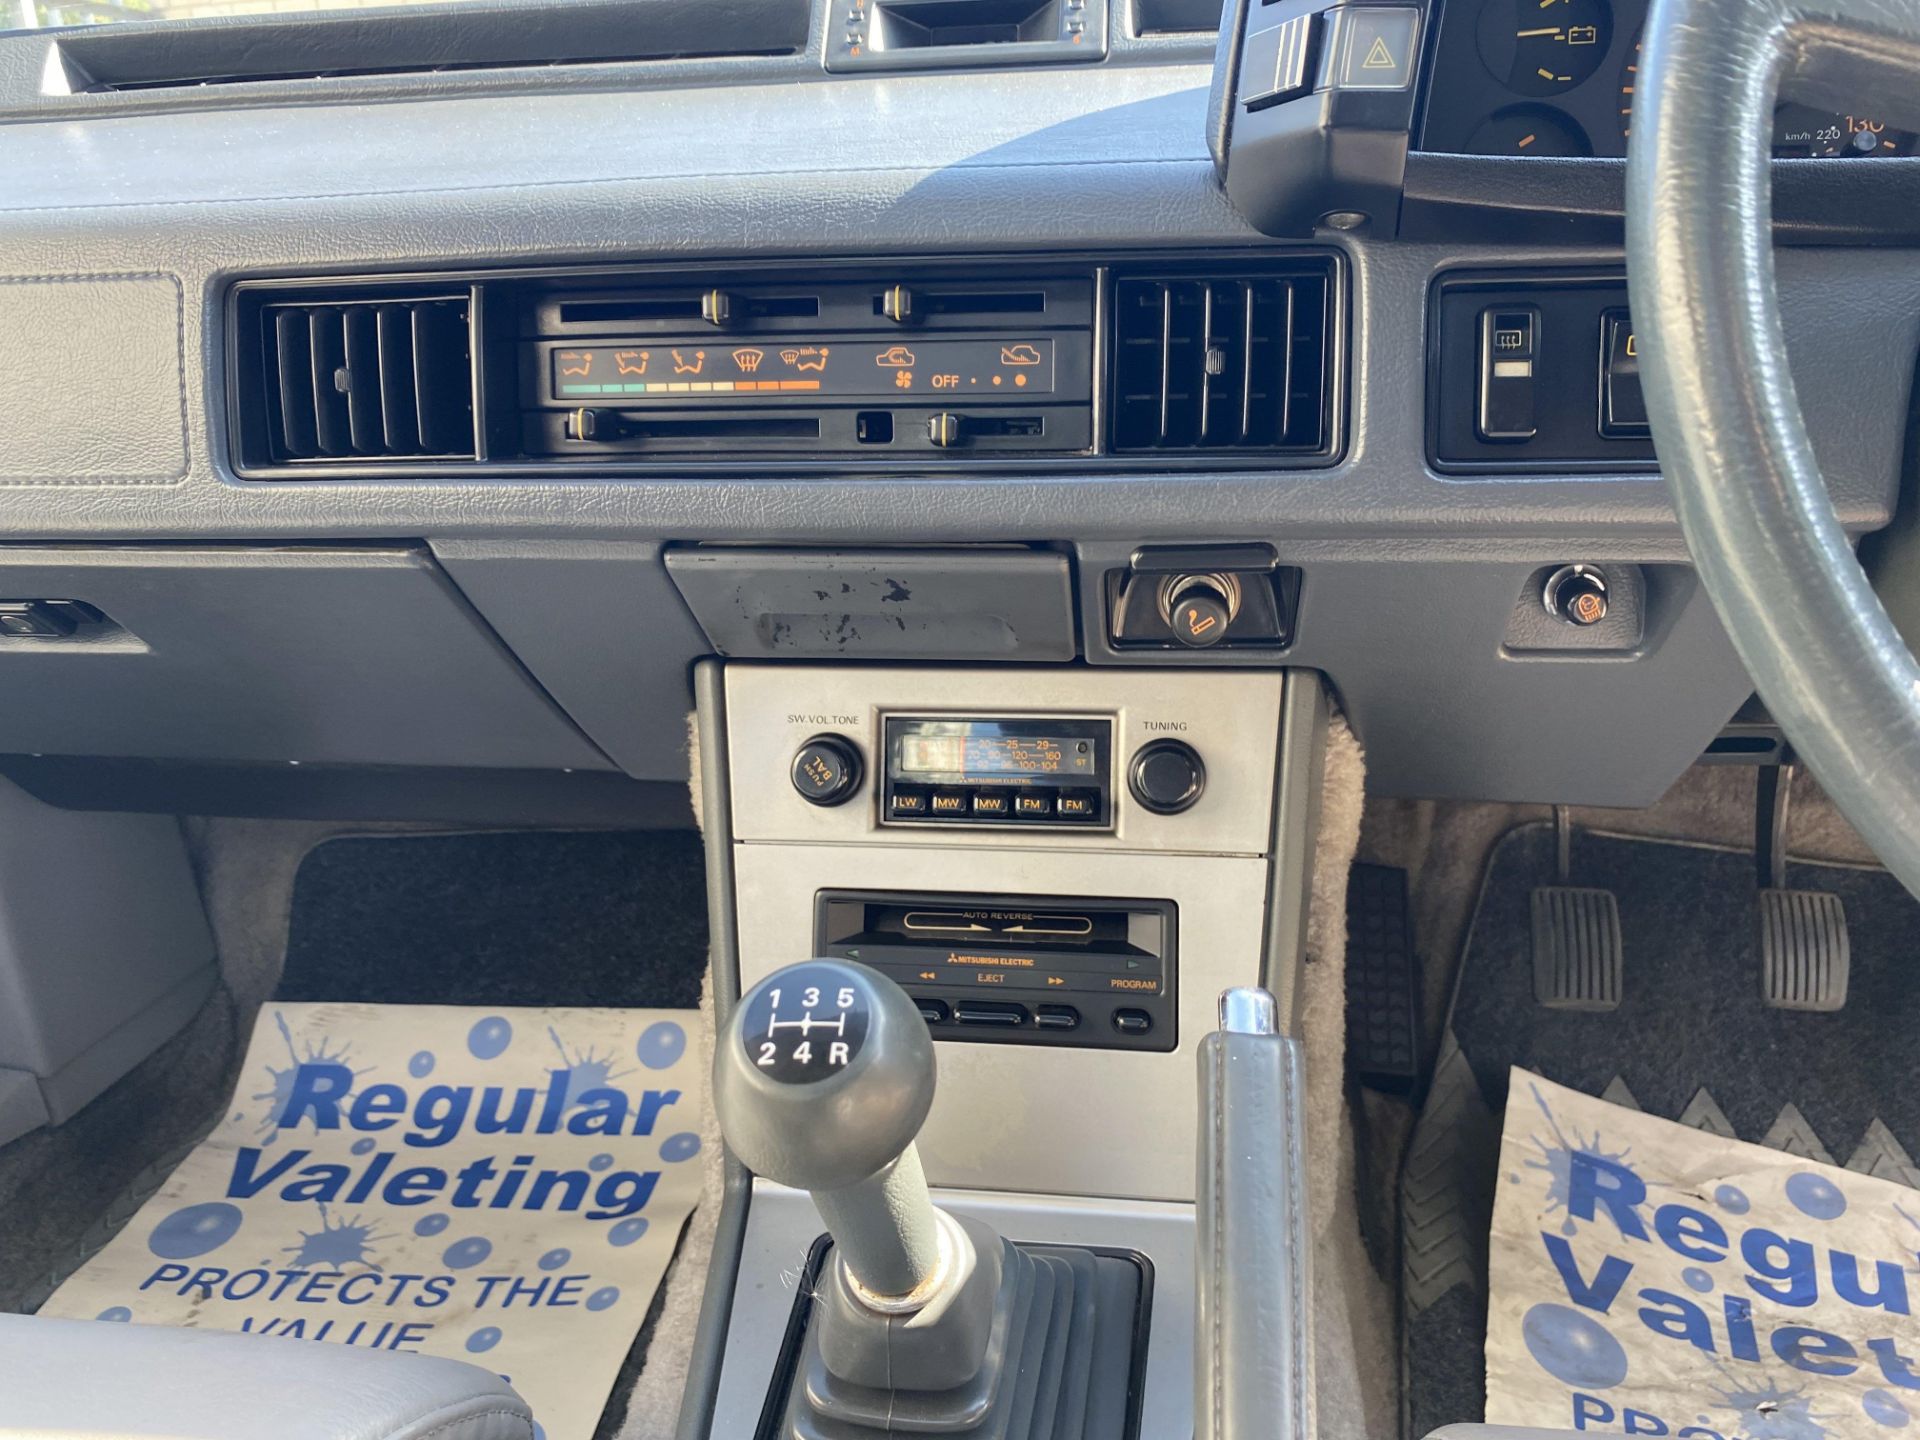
x: 1691, y: 1019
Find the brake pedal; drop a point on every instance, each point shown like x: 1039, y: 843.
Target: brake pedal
x: 1805, y: 955
x: 1577, y: 961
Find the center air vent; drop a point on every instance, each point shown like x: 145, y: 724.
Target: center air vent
x: 367, y: 379
x: 1215, y: 363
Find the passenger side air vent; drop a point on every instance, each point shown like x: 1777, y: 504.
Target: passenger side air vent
x: 364, y: 380
x: 1243, y: 363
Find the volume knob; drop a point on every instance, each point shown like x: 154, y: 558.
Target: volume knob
x: 826, y: 770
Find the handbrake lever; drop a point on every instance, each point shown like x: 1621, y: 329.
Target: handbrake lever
x: 1252, y: 1339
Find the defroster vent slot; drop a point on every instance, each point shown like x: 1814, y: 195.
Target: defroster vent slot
x: 1224, y: 363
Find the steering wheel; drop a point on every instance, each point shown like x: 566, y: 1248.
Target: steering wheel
x: 1729, y: 428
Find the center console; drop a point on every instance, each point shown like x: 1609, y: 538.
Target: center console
x: 1048, y: 876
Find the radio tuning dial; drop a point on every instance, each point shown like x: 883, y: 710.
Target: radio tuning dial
x: 826, y: 770
x: 1166, y: 776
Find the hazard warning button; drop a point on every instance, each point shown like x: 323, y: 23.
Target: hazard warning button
x: 1372, y: 47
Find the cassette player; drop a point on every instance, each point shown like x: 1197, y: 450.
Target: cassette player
x: 1095, y: 974
x: 1020, y: 773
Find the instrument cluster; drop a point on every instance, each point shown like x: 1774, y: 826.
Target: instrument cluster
x: 1558, y: 77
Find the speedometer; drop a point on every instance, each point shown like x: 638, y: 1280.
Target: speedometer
x: 1799, y: 131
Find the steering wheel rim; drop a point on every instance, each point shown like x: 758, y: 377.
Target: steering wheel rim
x: 1727, y: 424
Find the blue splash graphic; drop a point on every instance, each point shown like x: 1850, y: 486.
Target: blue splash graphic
x: 683, y: 1146
x: 1732, y: 1199
x: 195, y: 1230
x: 363, y: 1146
x: 279, y: 1092
x: 1883, y: 1409
x: 582, y: 1070
x: 483, y: 1339
x: 1697, y: 1279
x: 465, y: 1254
x: 602, y: 1161
x: 625, y: 1232
x: 604, y: 1299
x: 1556, y: 1159
x: 430, y: 1224
x: 335, y: 1245
x: 122, y: 1313
x: 1815, y: 1196
x: 554, y: 1259
x: 421, y: 1065
x: 1772, y: 1413
x: 661, y: 1043
x: 489, y: 1038
x: 1573, y: 1348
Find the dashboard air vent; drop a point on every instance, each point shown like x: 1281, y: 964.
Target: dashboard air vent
x: 361, y: 380
x: 1217, y: 363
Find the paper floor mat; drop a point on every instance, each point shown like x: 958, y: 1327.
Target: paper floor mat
x: 504, y: 1187
x: 1659, y: 1280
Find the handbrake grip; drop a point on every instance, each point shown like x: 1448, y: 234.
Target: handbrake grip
x: 1252, y: 1338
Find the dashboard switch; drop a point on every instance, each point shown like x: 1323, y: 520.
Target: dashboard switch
x: 1372, y: 47
x: 1509, y: 355
x: 946, y: 429
x: 1275, y: 63
x: 1623, y: 406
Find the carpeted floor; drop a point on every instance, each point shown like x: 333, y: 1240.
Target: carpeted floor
x: 1691, y: 1040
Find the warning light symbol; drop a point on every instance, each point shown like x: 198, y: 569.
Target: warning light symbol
x: 749, y: 359
x: 1379, y: 57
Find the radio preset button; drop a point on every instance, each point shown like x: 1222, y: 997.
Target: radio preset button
x: 909, y: 804
x: 991, y: 803
x: 1078, y: 805
x: 1033, y: 806
x: 950, y: 802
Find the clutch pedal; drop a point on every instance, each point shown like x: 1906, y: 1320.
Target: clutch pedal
x: 1805, y: 957
x: 1577, y: 960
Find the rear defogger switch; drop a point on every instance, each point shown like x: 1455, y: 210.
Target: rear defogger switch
x: 1509, y: 354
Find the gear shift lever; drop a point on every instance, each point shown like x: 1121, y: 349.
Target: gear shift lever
x: 926, y: 1323
x: 823, y: 1080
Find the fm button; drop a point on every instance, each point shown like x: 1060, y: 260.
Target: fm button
x: 826, y: 771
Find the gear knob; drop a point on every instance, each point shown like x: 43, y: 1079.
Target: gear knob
x: 821, y: 1080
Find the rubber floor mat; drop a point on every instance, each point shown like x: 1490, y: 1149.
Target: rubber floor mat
x: 1692, y: 1040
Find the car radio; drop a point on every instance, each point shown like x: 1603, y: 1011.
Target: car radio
x: 965, y: 770
x: 1089, y: 973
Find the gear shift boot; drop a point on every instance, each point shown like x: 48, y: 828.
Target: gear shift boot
x: 910, y: 1319
x: 1065, y: 1330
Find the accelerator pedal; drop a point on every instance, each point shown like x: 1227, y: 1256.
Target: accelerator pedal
x: 1805, y: 956
x: 1577, y: 962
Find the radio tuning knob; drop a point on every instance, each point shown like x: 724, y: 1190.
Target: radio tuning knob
x: 826, y: 770
x: 1166, y: 776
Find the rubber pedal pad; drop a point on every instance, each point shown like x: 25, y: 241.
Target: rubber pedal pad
x: 1805, y: 956
x: 1576, y: 948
